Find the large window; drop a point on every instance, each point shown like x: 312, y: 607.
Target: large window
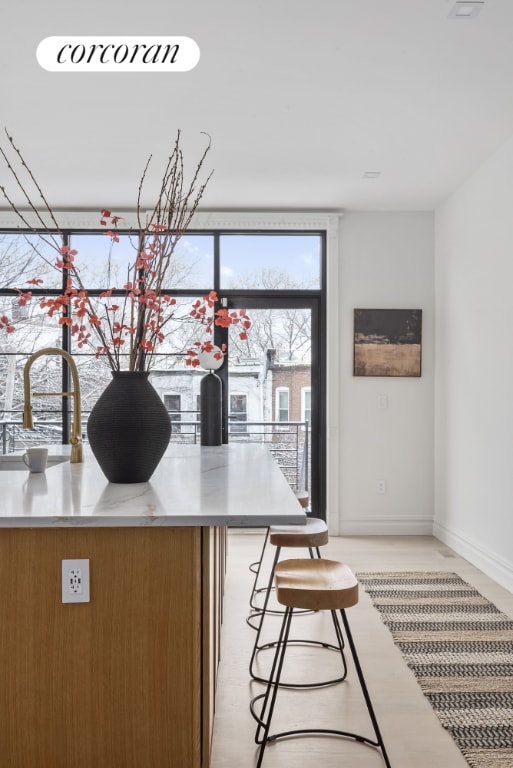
x: 270, y: 261
x: 278, y: 375
x: 105, y: 267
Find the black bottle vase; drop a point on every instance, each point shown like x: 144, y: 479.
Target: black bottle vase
x: 129, y: 428
x: 211, y: 410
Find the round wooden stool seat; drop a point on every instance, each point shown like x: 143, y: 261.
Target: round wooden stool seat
x: 313, y: 534
x: 315, y: 584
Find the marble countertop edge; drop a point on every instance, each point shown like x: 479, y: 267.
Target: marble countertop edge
x: 238, y: 485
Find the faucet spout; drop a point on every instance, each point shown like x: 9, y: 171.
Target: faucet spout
x: 76, y: 427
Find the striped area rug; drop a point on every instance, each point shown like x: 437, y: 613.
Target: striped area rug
x: 460, y: 648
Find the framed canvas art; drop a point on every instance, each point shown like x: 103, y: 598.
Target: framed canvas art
x: 387, y: 342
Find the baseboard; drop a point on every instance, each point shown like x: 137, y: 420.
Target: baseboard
x: 386, y: 526
x: 495, y: 567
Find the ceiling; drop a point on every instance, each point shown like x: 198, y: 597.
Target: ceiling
x: 300, y: 98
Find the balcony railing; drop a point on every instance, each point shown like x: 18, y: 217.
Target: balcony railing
x: 288, y: 441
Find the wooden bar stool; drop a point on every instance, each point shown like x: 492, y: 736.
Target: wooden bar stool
x: 310, y: 536
x: 318, y: 585
x: 304, y: 499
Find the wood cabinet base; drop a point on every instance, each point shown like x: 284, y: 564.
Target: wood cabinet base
x: 118, y: 682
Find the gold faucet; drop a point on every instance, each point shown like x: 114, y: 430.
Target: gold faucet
x: 76, y: 426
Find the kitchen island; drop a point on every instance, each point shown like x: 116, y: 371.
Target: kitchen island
x: 126, y: 680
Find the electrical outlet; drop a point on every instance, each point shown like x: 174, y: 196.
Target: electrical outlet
x: 382, y: 487
x: 75, y: 581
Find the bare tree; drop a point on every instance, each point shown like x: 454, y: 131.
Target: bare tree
x: 285, y: 330
x: 18, y: 261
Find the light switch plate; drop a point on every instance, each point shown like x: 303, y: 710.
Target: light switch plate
x: 382, y: 402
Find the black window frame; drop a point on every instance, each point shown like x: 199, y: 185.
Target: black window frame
x: 313, y: 299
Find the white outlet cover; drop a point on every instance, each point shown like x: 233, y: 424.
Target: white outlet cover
x: 69, y: 595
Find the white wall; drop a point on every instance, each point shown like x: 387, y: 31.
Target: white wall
x: 385, y: 261
x: 474, y: 362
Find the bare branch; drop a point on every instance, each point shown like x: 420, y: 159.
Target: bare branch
x: 141, y: 315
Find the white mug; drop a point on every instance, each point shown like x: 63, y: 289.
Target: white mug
x: 35, y: 459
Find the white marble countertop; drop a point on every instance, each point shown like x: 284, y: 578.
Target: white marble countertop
x: 236, y: 484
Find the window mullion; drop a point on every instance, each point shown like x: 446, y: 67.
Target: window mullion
x: 65, y: 372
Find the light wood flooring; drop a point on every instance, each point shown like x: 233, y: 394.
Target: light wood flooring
x: 412, y: 733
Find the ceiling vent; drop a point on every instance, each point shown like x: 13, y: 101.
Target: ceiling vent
x: 466, y: 9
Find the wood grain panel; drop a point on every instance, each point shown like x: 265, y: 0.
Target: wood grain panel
x: 214, y: 565
x: 114, y: 683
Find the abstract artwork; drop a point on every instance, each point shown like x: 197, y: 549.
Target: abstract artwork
x: 387, y: 342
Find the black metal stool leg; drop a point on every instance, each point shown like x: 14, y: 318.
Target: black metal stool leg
x: 255, y: 568
x: 379, y: 739
x: 269, y: 697
x: 262, y: 613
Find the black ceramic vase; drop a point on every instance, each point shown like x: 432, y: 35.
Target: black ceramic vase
x: 211, y: 410
x: 129, y: 428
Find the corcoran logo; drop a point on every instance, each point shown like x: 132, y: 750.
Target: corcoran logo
x: 118, y: 54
